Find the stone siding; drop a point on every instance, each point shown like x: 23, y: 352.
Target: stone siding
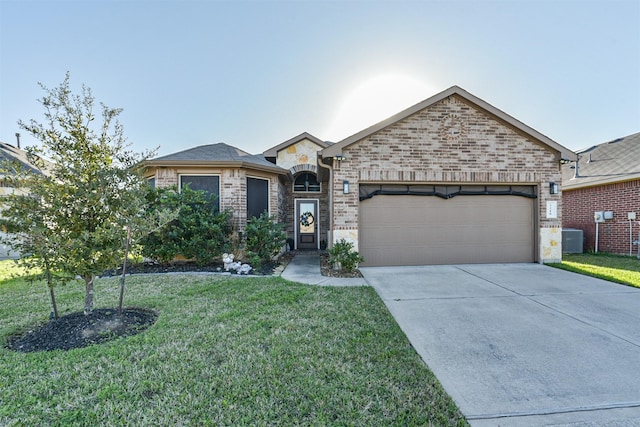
x: 304, y: 152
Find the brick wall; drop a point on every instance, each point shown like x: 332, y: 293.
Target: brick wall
x: 233, y: 188
x: 619, y: 198
x: 166, y: 177
x: 283, y: 186
x: 417, y: 149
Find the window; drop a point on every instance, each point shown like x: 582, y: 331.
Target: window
x: 207, y: 183
x: 152, y: 182
x: 306, y: 182
x: 257, y: 197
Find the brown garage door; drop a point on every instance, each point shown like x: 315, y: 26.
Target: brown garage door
x: 421, y: 230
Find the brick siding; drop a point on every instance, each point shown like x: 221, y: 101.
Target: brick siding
x: 417, y: 150
x: 619, y: 198
x: 233, y: 188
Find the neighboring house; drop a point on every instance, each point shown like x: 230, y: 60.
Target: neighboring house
x: 450, y: 180
x: 17, y: 156
x: 605, y: 178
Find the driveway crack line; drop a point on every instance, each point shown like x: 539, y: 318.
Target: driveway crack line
x: 530, y: 298
x: 568, y: 410
x: 450, y: 298
x: 584, y: 322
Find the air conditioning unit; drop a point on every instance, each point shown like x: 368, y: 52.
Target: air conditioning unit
x: 572, y: 241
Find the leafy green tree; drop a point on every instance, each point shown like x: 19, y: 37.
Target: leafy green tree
x: 197, y: 232
x: 90, y: 194
x: 150, y: 219
x: 39, y: 244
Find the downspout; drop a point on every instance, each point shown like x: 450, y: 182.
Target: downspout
x: 330, y: 168
x: 630, y: 237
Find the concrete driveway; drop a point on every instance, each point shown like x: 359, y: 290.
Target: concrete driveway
x: 522, y: 344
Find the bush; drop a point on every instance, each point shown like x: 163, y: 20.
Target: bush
x: 264, y: 239
x: 342, y: 254
x: 199, y: 232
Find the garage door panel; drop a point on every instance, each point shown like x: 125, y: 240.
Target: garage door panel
x: 417, y: 230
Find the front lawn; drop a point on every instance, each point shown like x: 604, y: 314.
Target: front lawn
x: 614, y: 268
x: 224, y: 351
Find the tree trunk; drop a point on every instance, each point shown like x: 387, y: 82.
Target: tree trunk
x: 88, y: 295
x: 51, y: 292
x: 53, y: 301
x: 124, y: 270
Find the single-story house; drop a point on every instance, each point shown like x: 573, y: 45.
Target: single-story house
x: 451, y: 179
x: 605, y: 181
x: 18, y: 157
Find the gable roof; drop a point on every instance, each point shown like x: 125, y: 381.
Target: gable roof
x: 13, y: 154
x: 336, y: 149
x: 606, y: 163
x: 219, y: 155
x: 273, y: 152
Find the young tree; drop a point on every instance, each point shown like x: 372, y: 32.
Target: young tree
x: 151, y: 219
x: 92, y: 191
x: 38, y: 245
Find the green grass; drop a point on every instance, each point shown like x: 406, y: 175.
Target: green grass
x: 614, y: 268
x: 224, y: 351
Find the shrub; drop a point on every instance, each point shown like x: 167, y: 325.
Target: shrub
x: 264, y: 239
x: 199, y: 232
x: 342, y: 254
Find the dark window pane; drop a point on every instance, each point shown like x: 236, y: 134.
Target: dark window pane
x: 207, y: 183
x: 306, y: 182
x: 257, y: 197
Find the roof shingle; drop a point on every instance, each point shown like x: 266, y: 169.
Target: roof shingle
x: 614, y: 161
x: 216, y: 154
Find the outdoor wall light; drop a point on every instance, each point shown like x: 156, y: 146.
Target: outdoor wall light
x: 345, y: 187
x: 339, y: 157
x: 553, y: 188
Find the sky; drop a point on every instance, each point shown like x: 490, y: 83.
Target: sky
x: 254, y: 74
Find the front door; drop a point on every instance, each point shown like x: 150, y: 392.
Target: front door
x: 307, y: 224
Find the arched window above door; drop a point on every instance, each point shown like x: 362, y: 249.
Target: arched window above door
x: 306, y: 182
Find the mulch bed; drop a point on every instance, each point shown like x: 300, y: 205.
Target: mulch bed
x: 267, y: 269
x: 78, y: 330
x: 327, y: 270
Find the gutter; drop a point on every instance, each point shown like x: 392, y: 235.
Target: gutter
x: 223, y: 164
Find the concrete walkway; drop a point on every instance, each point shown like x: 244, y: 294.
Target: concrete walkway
x: 305, y: 268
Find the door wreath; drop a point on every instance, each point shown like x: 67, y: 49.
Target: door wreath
x: 306, y: 219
